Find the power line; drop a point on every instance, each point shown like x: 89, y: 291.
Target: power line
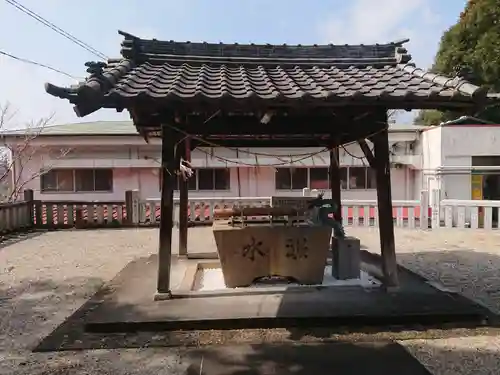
x: 38, y: 64
x: 57, y: 29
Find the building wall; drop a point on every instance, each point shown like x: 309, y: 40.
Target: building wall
x: 430, y: 150
x: 135, y: 166
x: 447, y: 153
x: 440, y: 158
x: 459, y: 144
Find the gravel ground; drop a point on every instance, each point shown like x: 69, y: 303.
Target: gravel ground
x: 46, y: 277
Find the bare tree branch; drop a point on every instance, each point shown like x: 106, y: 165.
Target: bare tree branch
x: 16, y: 156
x: 392, y: 113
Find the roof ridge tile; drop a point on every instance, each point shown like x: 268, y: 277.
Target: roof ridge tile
x: 170, y: 72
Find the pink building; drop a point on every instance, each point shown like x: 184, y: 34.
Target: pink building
x: 101, y: 160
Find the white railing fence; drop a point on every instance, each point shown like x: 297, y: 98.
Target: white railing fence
x: 407, y: 214
x: 424, y: 213
x: 452, y: 213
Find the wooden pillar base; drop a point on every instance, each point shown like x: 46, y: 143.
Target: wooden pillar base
x: 162, y: 296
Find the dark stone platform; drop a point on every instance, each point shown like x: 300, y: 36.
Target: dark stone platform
x: 131, y: 307
x: 124, y: 314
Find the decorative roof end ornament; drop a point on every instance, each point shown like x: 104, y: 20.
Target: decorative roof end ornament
x: 95, y: 68
x: 402, y: 55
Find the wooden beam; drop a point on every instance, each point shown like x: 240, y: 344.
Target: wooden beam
x: 158, y: 105
x: 183, y: 201
x: 312, y: 141
x: 245, y: 125
x: 168, y: 166
x: 335, y: 183
x: 368, y: 153
x: 384, y: 200
x: 314, y: 122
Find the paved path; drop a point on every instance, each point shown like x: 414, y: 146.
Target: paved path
x: 45, y: 278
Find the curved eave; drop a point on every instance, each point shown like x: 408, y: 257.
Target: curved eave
x: 82, y: 106
x: 467, y: 89
x: 106, y: 91
x: 458, y: 101
x: 61, y: 92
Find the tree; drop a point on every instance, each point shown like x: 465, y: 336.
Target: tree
x: 433, y: 117
x: 472, y: 45
x: 15, y: 157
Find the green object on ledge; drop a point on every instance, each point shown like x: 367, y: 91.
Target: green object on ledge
x: 327, y: 207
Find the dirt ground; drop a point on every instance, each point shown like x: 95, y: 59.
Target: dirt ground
x: 45, y: 277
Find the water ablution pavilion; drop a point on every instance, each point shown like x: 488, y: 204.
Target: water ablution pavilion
x: 262, y: 95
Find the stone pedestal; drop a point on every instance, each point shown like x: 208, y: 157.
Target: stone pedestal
x: 254, y: 251
x: 346, y: 261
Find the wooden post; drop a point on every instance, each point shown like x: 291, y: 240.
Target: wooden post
x: 384, y: 201
x: 29, y: 199
x: 79, y: 222
x: 424, y: 210
x: 168, y: 169
x: 128, y: 207
x: 183, y: 201
x: 335, y: 183
x: 132, y: 206
x: 135, y: 207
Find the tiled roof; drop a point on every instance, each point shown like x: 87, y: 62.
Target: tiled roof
x: 110, y: 128
x: 467, y: 120
x: 99, y: 128
x: 211, y: 74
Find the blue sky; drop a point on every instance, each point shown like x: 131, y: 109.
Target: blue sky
x: 278, y: 21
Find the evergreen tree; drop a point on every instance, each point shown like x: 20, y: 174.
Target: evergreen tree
x: 472, y: 43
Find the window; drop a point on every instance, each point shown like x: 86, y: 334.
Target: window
x: 283, y: 179
x: 357, y: 178
x: 213, y: 179
x: 84, y: 180
x: 103, y: 179
x: 206, y: 179
x: 191, y: 181
x: 485, y: 161
x: 371, y: 178
x: 343, y: 178
x: 319, y: 178
x: 361, y: 178
x: 221, y: 179
x: 291, y: 178
x: 77, y: 180
x: 354, y: 178
x: 58, y: 180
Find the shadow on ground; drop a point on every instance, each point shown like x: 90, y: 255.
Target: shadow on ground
x: 472, y: 277
x: 258, y: 351
x: 255, y: 359
x: 30, y: 308
x: 72, y: 335
x: 340, y: 358
x: 474, y: 274
x: 13, y: 238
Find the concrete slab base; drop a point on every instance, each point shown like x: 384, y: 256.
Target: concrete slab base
x: 212, y: 279
x: 129, y: 306
x: 195, y: 283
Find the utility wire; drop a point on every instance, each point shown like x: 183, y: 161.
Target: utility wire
x: 301, y: 157
x: 57, y: 29
x: 38, y: 64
